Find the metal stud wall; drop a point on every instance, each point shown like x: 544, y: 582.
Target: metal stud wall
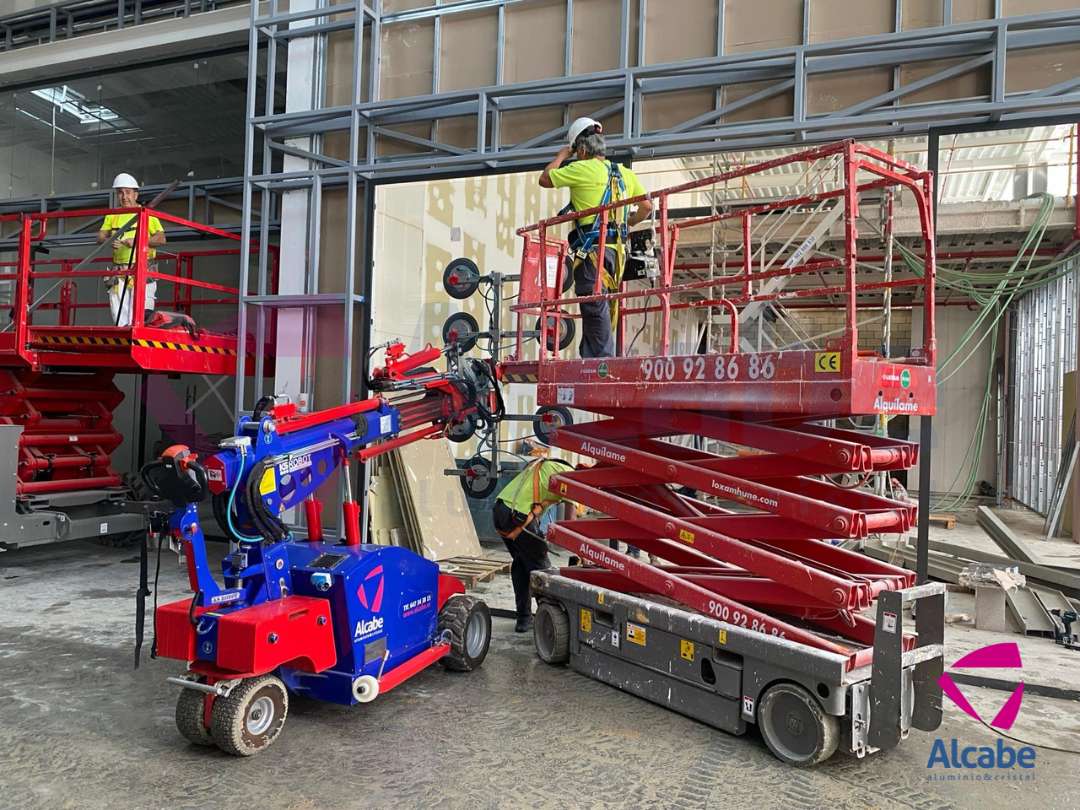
x: 1044, y: 350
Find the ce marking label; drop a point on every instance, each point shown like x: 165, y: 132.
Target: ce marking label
x: 826, y: 362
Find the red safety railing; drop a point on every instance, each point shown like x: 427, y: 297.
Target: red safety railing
x: 863, y: 169
x: 46, y: 301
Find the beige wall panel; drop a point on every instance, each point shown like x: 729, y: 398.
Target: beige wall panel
x: 958, y: 399
x: 775, y: 107
x: 524, y: 124
x: 761, y: 25
x: 339, y: 65
x: 667, y: 109
x: 394, y: 6
x: 390, y: 146
x: 829, y: 92
x: 676, y: 30
x: 973, y: 83
x: 407, y: 59
x: 535, y: 41
x: 469, y: 51
x: 1015, y: 8
x: 459, y: 131
x: 928, y: 13
x: 1041, y: 67
x: 841, y: 19
x: 596, y: 35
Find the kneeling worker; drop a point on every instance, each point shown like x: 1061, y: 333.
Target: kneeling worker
x: 517, y: 518
x: 121, y: 228
x: 593, y: 181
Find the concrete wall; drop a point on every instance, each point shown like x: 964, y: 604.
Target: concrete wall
x: 959, y: 399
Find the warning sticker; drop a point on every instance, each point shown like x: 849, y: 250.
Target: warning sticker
x: 826, y: 362
x: 888, y: 622
x: 586, y: 620
x: 686, y: 536
x: 686, y: 649
x: 723, y: 636
x: 635, y: 634
x: 748, y: 706
x: 565, y: 396
x: 269, y: 481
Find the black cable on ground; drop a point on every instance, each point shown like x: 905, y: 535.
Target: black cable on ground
x: 1001, y: 733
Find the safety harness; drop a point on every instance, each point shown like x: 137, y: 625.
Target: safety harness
x: 584, y: 242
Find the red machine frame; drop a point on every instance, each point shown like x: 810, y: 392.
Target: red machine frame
x: 767, y: 564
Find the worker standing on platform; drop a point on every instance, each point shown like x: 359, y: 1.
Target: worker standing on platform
x: 594, y: 181
x: 517, y: 517
x: 121, y: 229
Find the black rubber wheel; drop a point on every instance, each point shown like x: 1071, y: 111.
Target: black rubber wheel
x: 568, y: 274
x: 463, y: 430
x: 469, y: 622
x: 795, y: 727
x: 461, y: 328
x: 251, y: 717
x: 548, y: 419
x: 189, y: 717
x: 479, y: 480
x: 461, y: 278
x: 551, y: 634
x: 567, y: 330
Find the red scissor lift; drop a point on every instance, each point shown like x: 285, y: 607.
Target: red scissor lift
x: 60, y: 353
x: 787, y: 643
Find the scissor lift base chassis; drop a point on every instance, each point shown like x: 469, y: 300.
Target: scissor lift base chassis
x: 667, y: 663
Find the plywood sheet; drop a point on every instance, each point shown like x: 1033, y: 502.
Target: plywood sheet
x: 676, y: 30
x: 407, y: 59
x: 596, y: 35
x: 970, y: 84
x: 438, y: 501
x: 535, y: 41
x: 762, y: 25
x: 1035, y: 68
x: 1014, y: 8
x: 469, y: 51
x: 841, y: 19
x: 830, y: 92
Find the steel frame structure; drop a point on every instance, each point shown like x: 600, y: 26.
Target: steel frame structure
x: 982, y: 45
x: 66, y: 19
x: 200, y: 196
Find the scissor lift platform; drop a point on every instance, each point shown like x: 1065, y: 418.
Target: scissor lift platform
x: 742, y: 539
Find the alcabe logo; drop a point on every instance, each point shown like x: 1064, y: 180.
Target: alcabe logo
x: 373, y: 584
x: 984, y: 762
x: 1005, y: 655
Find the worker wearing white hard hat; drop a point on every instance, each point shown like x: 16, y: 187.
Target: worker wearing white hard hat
x: 121, y: 228
x: 593, y: 181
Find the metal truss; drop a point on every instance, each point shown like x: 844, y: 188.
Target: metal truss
x: 202, y: 198
x: 71, y: 18
x: 983, y: 46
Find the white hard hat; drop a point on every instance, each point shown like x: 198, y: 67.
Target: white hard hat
x: 580, y: 125
x: 125, y: 180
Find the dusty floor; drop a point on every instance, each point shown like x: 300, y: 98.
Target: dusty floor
x: 79, y: 728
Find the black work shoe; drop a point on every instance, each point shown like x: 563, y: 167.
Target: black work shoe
x: 523, y: 625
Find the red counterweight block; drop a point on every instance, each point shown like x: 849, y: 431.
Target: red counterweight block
x: 68, y: 436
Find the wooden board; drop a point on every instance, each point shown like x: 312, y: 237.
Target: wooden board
x: 943, y: 520
x: 472, y: 570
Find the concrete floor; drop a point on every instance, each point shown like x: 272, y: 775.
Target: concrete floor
x: 80, y: 729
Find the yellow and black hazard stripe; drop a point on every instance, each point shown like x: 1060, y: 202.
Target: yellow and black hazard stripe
x: 80, y: 340
x: 518, y: 378
x: 89, y: 340
x: 183, y: 347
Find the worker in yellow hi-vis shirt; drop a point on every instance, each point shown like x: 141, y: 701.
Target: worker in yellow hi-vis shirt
x: 593, y: 181
x: 121, y: 229
x: 517, y: 518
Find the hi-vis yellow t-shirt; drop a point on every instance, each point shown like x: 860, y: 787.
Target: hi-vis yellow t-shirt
x: 113, y: 222
x: 587, y: 179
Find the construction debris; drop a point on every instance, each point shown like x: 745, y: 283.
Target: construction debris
x: 943, y: 520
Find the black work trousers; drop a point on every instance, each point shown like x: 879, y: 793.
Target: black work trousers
x: 528, y: 551
x: 596, y: 337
